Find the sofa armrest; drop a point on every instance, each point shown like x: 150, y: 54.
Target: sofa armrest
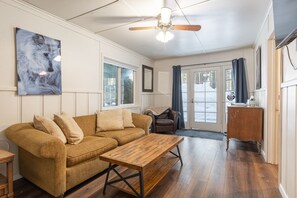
x: 36, y: 142
x: 142, y: 121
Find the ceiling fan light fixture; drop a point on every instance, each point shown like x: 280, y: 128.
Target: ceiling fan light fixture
x: 164, y: 36
x: 165, y: 15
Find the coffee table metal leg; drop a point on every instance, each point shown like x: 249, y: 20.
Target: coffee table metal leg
x: 141, y: 183
x: 106, y: 179
x: 179, y: 155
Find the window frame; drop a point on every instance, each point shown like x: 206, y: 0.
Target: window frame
x: 119, y: 88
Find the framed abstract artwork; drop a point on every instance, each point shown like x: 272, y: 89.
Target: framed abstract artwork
x: 38, y: 64
x: 258, y: 68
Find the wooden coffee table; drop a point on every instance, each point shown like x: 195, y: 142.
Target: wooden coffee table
x: 150, y: 158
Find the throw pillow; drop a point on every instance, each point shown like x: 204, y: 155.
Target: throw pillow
x: 71, y: 130
x: 110, y: 120
x: 48, y: 126
x: 127, y: 119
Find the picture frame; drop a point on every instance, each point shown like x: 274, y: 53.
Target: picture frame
x: 258, y: 68
x: 38, y: 59
x: 147, y: 79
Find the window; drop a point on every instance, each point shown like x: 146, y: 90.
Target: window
x: 184, y: 79
x: 118, y: 85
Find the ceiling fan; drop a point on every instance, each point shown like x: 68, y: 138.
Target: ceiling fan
x: 165, y: 24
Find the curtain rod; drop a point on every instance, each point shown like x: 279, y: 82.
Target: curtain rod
x: 206, y: 63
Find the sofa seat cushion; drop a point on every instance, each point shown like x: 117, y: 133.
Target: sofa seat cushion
x: 90, y: 147
x: 123, y: 136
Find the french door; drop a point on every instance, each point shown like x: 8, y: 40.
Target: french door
x: 204, y: 97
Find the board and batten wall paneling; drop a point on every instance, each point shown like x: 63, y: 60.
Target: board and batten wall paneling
x: 94, y: 103
x: 30, y: 106
x: 69, y: 103
x: 291, y: 142
x: 82, y: 104
x: 9, y: 112
x: 147, y: 101
x: 51, y: 105
x: 283, y: 165
x: 288, y: 165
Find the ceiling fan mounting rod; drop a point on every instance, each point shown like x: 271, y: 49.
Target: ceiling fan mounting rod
x: 164, y: 27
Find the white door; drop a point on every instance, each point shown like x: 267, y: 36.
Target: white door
x: 204, y: 93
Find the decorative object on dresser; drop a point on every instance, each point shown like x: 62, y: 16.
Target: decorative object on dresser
x: 245, y: 123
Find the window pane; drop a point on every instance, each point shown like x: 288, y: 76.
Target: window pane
x: 228, y: 74
x: 199, y: 97
x: 110, y: 85
x: 185, y: 106
x: 127, y: 86
x: 184, y: 79
x: 199, y: 117
x: 211, y: 117
x: 211, y: 107
x: 229, y: 85
x: 200, y: 107
x: 185, y: 116
x: 211, y: 96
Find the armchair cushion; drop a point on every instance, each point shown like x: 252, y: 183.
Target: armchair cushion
x: 164, y: 122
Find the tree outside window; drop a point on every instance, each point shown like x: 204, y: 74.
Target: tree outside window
x: 118, y: 85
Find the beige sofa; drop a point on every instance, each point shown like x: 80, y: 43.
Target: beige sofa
x: 56, y: 167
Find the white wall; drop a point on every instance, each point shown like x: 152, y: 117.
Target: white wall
x: 288, y: 137
x: 163, y: 70
x: 82, y: 60
x: 288, y: 165
x: 261, y: 95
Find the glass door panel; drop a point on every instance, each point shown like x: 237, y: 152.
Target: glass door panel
x: 205, y: 94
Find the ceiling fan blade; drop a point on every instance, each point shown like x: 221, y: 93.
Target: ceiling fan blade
x: 142, y: 28
x: 186, y: 27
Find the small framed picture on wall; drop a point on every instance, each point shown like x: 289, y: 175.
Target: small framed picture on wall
x: 258, y: 68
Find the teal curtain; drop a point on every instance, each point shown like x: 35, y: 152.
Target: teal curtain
x: 177, y: 100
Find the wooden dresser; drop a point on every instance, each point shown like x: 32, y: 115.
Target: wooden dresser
x: 245, y: 123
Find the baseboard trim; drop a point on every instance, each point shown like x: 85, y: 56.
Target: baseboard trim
x: 282, y: 191
x: 17, y: 176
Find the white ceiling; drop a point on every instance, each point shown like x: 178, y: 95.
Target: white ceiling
x: 226, y: 24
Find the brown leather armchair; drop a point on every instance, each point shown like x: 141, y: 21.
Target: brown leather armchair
x: 164, y: 122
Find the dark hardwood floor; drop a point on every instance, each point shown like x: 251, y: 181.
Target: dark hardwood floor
x: 208, y: 171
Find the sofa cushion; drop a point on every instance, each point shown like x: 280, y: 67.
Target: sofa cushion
x: 71, y: 130
x: 90, y: 147
x: 123, y: 136
x: 48, y: 126
x: 127, y: 119
x: 87, y: 123
x: 110, y: 120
